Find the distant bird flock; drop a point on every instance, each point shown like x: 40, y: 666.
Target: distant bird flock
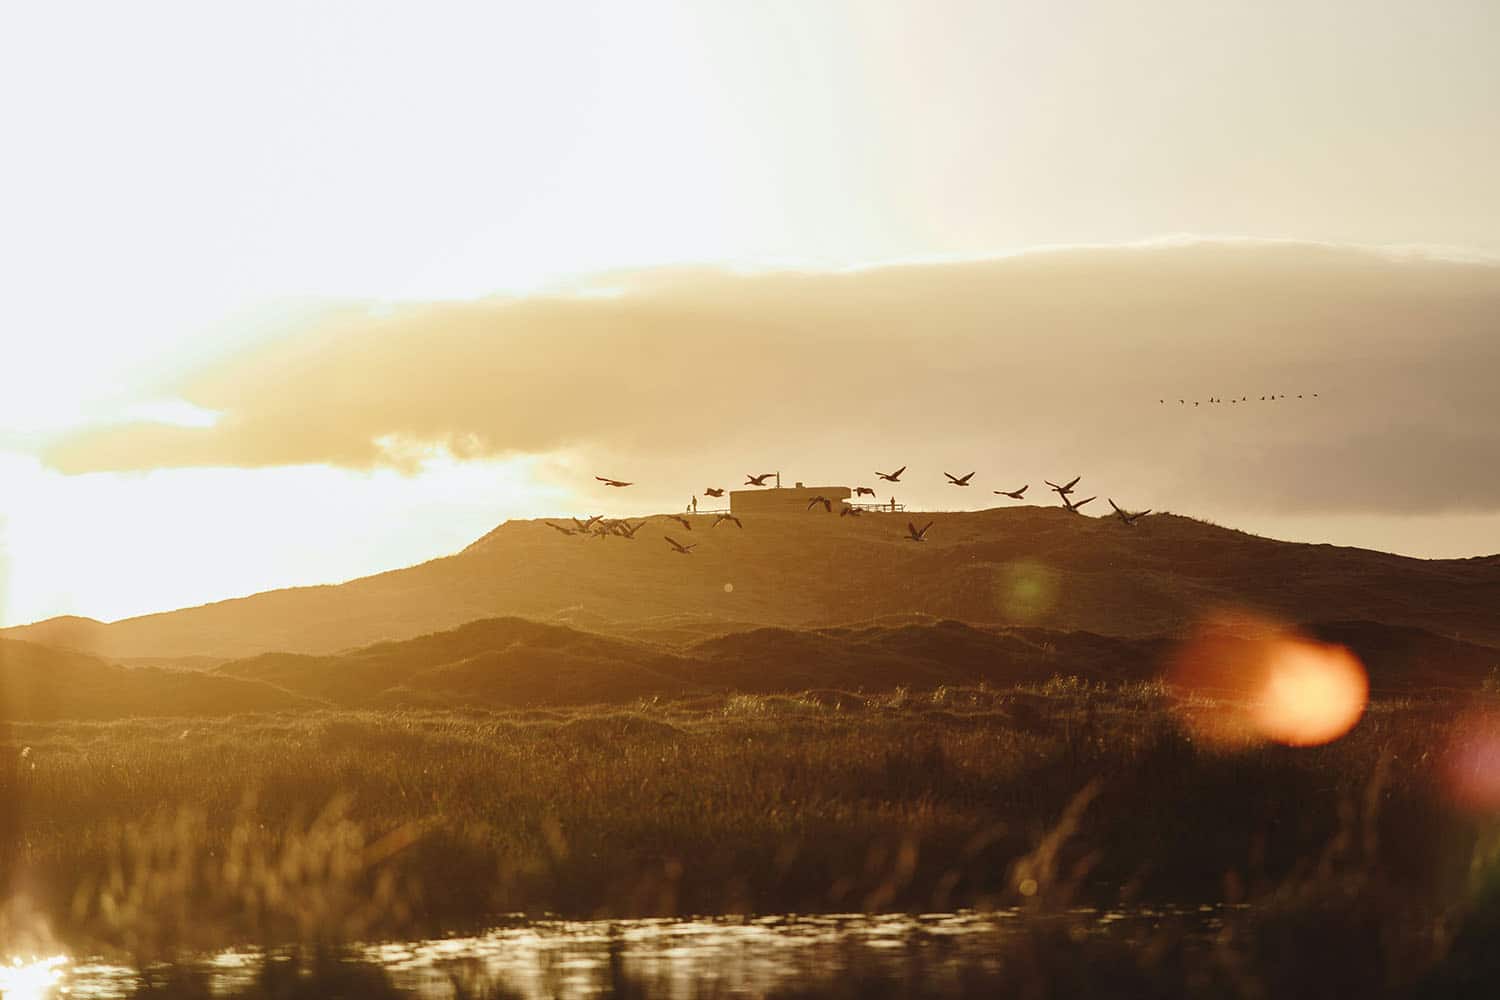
x: 599, y: 526
x: 1269, y: 397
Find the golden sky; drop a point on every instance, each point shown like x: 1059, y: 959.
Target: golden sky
x: 295, y: 294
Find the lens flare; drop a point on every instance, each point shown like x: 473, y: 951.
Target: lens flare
x: 1246, y: 679
x: 1472, y: 761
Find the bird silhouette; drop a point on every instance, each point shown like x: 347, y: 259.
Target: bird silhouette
x: 1073, y: 507
x: 848, y: 511
x: 827, y: 503
x: 863, y: 491
x: 626, y: 530
x: 913, y: 535
x: 892, y: 477
x: 612, y: 482
x: 586, y: 525
x: 559, y: 527
x: 1125, y: 515
x: 713, y: 491
x: 1013, y: 494
x: 1065, y: 488
x: 678, y: 547
x: 759, y: 480
x: 959, y: 481
x: 682, y: 521
x: 727, y: 517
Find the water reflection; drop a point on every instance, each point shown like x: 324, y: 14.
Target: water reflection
x: 674, y: 958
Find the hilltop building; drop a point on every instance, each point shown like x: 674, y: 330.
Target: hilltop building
x: 784, y: 500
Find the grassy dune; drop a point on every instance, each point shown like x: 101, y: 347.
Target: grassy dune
x: 155, y: 836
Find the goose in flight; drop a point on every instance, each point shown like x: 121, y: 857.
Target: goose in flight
x: 892, y: 477
x: 863, y: 491
x: 959, y: 481
x: 626, y: 530
x: 914, y: 535
x: 713, y: 491
x: 586, y: 525
x: 1065, y: 488
x: 612, y: 482
x: 678, y: 547
x: 848, y: 511
x: 827, y: 503
x: 559, y: 527
x: 1073, y: 507
x: 759, y: 480
x: 1125, y: 515
x: 682, y: 521
x: 1013, y: 494
x: 727, y: 517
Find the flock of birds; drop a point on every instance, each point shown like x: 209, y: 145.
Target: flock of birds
x: 599, y: 526
x: 1212, y: 400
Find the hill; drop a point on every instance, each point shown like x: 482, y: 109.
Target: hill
x: 1029, y: 566
x: 39, y: 683
x: 512, y: 662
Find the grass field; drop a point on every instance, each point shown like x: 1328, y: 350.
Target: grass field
x: 157, y: 838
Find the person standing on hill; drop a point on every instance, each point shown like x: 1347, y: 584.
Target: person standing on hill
x: 695, y: 503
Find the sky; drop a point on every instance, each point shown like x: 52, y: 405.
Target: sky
x: 298, y: 292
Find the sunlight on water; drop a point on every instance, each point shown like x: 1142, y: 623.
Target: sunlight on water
x: 32, y: 979
x: 676, y: 959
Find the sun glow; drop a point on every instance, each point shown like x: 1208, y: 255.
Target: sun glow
x: 34, y: 979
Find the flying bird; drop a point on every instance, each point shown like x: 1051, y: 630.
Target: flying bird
x: 682, y: 521
x: 957, y: 481
x: 586, y: 525
x: 713, y: 491
x: 848, y: 511
x: 612, y: 482
x: 1125, y: 515
x: 759, y: 480
x: 559, y: 527
x: 1073, y: 507
x: 891, y: 477
x: 626, y: 530
x: 827, y: 503
x: 863, y: 491
x: 1065, y: 488
x: 1013, y: 494
x: 678, y: 547
x: 727, y: 517
x: 913, y: 535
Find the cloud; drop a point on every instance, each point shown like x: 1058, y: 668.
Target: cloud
x: 1049, y: 360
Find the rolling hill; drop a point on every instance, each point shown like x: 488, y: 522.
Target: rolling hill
x: 1027, y: 566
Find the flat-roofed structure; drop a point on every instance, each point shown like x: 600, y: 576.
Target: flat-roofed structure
x: 784, y: 500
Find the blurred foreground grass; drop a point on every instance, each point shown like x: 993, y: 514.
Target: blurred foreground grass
x: 161, y: 838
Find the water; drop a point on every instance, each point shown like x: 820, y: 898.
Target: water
x: 678, y: 959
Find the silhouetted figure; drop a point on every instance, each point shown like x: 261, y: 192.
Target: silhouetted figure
x: 759, y: 480
x: 1013, y: 494
x: 695, y: 503
x: 913, y: 535
x: 678, y: 547
x: 892, y: 477
x: 959, y: 481
x: 612, y: 482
